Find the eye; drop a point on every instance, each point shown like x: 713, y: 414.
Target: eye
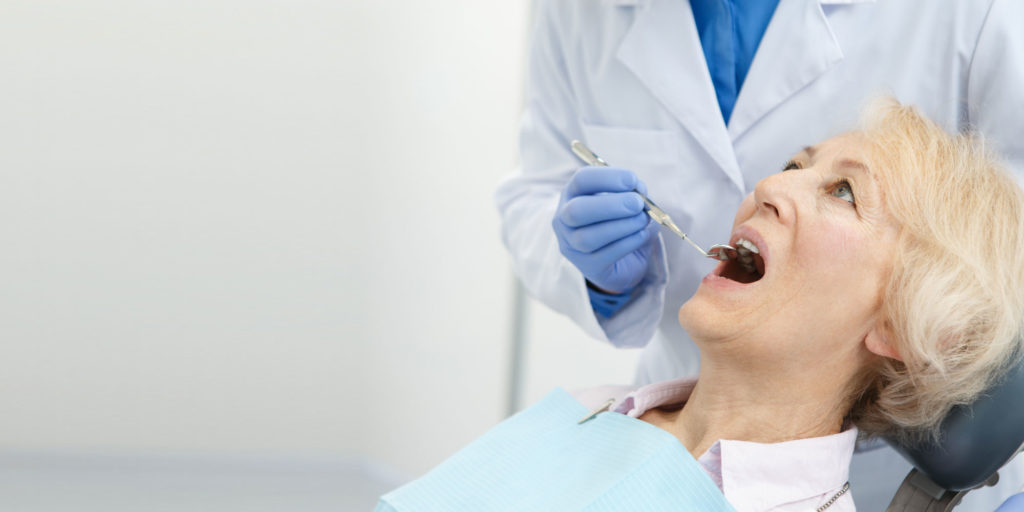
x: 790, y: 165
x: 844, y: 191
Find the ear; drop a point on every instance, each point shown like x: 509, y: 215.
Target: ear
x: 880, y: 341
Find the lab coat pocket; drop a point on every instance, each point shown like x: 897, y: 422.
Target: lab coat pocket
x: 641, y: 151
x: 654, y: 155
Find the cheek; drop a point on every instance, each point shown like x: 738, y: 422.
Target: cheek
x: 835, y: 256
x: 834, y: 246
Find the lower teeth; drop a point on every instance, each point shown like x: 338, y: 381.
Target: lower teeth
x: 746, y: 259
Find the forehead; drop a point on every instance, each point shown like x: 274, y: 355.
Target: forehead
x: 849, y: 154
x: 843, y: 148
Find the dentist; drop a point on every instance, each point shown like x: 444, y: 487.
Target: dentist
x: 695, y: 102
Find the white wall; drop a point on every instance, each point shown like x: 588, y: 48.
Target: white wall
x: 176, y: 220
x: 237, y: 227
x: 560, y: 354
x: 263, y: 228
x: 436, y: 285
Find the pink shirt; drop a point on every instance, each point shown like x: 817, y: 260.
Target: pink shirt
x: 792, y: 476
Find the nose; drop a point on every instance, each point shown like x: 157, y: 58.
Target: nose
x: 774, y: 196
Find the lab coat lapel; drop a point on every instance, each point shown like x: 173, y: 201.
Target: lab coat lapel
x: 663, y: 50
x: 797, y: 48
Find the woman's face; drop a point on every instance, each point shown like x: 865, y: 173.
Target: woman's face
x: 825, y: 247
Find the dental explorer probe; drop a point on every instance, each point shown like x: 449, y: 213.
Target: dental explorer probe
x: 720, y: 252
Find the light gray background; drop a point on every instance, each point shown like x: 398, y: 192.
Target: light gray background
x: 249, y: 258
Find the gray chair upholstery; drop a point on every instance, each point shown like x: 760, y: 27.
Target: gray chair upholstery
x: 975, y: 442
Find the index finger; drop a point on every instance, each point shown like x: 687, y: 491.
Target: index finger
x: 593, y: 180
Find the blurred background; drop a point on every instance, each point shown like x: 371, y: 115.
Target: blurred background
x: 249, y: 255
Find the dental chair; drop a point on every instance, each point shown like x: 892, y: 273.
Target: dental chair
x: 975, y: 442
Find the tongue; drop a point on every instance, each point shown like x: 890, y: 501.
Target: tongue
x: 734, y: 270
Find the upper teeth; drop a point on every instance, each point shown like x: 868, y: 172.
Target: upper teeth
x: 743, y: 243
x: 745, y: 250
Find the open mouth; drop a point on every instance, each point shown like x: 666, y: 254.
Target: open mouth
x: 748, y: 265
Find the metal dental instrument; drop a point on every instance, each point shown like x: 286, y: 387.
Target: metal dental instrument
x: 720, y: 252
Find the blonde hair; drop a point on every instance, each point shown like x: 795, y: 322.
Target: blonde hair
x: 954, y: 301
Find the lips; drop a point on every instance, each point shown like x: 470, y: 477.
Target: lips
x: 750, y: 265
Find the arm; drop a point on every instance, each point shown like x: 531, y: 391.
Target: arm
x: 528, y: 201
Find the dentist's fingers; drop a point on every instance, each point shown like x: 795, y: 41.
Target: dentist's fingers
x: 585, y: 210
x: 599, y: 261
x: 602, y: 229
x: 594, y: 180
x: 592, y: 237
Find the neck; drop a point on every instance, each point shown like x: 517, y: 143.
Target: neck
x: 768, y: 406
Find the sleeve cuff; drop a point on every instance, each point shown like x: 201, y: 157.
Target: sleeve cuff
x: 607, y: 304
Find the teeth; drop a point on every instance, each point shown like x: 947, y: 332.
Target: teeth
x: 747, y: 244
x: 745, y: 250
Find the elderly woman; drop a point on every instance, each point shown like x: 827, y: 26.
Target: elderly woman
x: 882, y: 284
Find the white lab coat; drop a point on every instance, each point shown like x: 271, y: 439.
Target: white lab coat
x: 629, y: 79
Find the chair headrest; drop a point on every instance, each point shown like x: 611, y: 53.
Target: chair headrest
x: 975, y: 440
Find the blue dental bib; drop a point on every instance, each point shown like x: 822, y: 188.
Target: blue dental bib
x: 542, y: 459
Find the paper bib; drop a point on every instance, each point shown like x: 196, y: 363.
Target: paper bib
x: 542, y: 459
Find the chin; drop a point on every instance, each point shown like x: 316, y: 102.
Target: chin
x: 705, y: 317
x: 697, y: 317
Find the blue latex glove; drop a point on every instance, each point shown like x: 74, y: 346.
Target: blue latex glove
x: 602, y: 228
x: 1014, y: 504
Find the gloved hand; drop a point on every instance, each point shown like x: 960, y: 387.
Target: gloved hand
x: 602, y: 228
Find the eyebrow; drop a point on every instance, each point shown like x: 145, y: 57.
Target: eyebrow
x: 848, y: 163
x: 857, y: 165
